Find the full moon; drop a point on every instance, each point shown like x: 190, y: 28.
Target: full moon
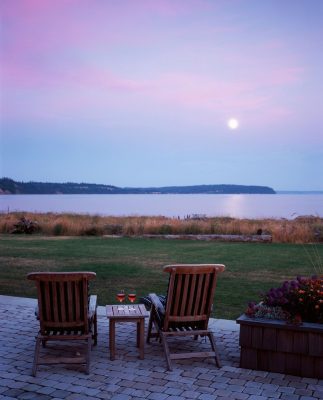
x: 233, y: 123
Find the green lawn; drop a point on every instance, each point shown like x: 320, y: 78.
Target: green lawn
x: 137, y: 263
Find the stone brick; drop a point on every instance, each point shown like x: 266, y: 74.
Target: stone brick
x: 271, y: 394
x: 190, y: 394
x: 158, y: 396
x: 12, y: 392
x: 252, y: 390
x: 173, y: 391
x: 207, y: 397
x: 289, y: 396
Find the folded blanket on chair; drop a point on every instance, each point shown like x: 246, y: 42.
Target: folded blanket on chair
x: 147, y: 302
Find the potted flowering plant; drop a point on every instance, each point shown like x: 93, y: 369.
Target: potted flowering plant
x: 296, y: 301
x: 284, y: 331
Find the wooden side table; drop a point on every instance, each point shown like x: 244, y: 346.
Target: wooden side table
x: 127, y: 313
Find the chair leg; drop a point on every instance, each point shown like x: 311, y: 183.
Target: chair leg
x: 150, y: 326
x: 36, y: 356
x: 166, y: 350
x: 88, y: 352
x: 212, y: 341
x: 95, y: 324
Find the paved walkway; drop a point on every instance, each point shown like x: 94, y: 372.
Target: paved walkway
x: 130, y: 378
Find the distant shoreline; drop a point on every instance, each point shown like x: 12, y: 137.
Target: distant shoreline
x: 278, y: 192
x: 299, y: 191
x: 9, y: 186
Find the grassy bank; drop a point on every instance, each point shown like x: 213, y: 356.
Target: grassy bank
x: 299, y: 230
x: 128, y: 263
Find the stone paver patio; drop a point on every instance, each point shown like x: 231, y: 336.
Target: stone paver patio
x: 130, y: 378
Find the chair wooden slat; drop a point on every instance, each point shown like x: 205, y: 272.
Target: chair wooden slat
x: 197, y: 294
x: 85, y: 302
x: 77, y: 301
x: 177, y: 294
x: 47, y: 300
x: 171, y: 284
x: 62, y: 298
x: 70, y: 303
x: 204, y: 294
x: 64, y: 325
x: 55, y: 300
x: 190, y: 303
x: 188, y: 318
x: 184, y: 294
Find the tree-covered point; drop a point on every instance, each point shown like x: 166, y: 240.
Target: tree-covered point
x: 9, y: 186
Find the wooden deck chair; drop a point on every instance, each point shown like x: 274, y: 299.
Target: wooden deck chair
x: 187, y: 310
x: 65, y: 312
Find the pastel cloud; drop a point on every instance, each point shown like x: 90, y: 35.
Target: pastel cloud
x: 181, y: 90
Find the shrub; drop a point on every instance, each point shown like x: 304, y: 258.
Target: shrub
x: 165, y: 229
x: 129, y: 230
x: 261, y: 310
x: 192, y: 229
x: 298, y: 300
x: 25, y: 225
x: 92, y: 231
x: 58, y: 229
x: 113, y: 229
x: 318, y: 232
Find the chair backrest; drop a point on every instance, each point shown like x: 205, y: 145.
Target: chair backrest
x: 62, y: 300
x: 190, y: 294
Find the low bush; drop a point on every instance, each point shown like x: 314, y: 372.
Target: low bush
x: 113, y: 229
x: 165, y: 229
x: 58, y: 230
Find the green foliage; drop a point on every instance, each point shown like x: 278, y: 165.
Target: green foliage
x: 192, y: 229
x: 92, y: 231
x: 58, y: 229
x: 165, y: 229
x: 318, y: 232
x: 113, y: 229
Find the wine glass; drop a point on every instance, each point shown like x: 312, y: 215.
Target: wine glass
x: 132, y: 298
x: 121, y: 297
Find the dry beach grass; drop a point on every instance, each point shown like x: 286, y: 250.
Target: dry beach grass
x: 299, y: 230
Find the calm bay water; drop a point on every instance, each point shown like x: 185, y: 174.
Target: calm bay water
x: 236, y: 205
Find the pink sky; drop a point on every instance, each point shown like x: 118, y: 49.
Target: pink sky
x: 160, y: 76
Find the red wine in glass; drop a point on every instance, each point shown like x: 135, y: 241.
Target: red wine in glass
x: 132, y: 297
x: 121, y: 296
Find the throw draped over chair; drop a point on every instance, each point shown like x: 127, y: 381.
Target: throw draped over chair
x: 65, y: 312
x: 187, y: 310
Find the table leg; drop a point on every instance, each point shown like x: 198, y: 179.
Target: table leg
x: 138, y: 333
x: 141, y: 338
x: 112, y: 337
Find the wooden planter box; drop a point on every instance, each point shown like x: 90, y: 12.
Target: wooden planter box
x: 275, y: 346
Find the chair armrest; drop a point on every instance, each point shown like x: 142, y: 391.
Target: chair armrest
x: 157, y: 303
x: 92, y: 305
